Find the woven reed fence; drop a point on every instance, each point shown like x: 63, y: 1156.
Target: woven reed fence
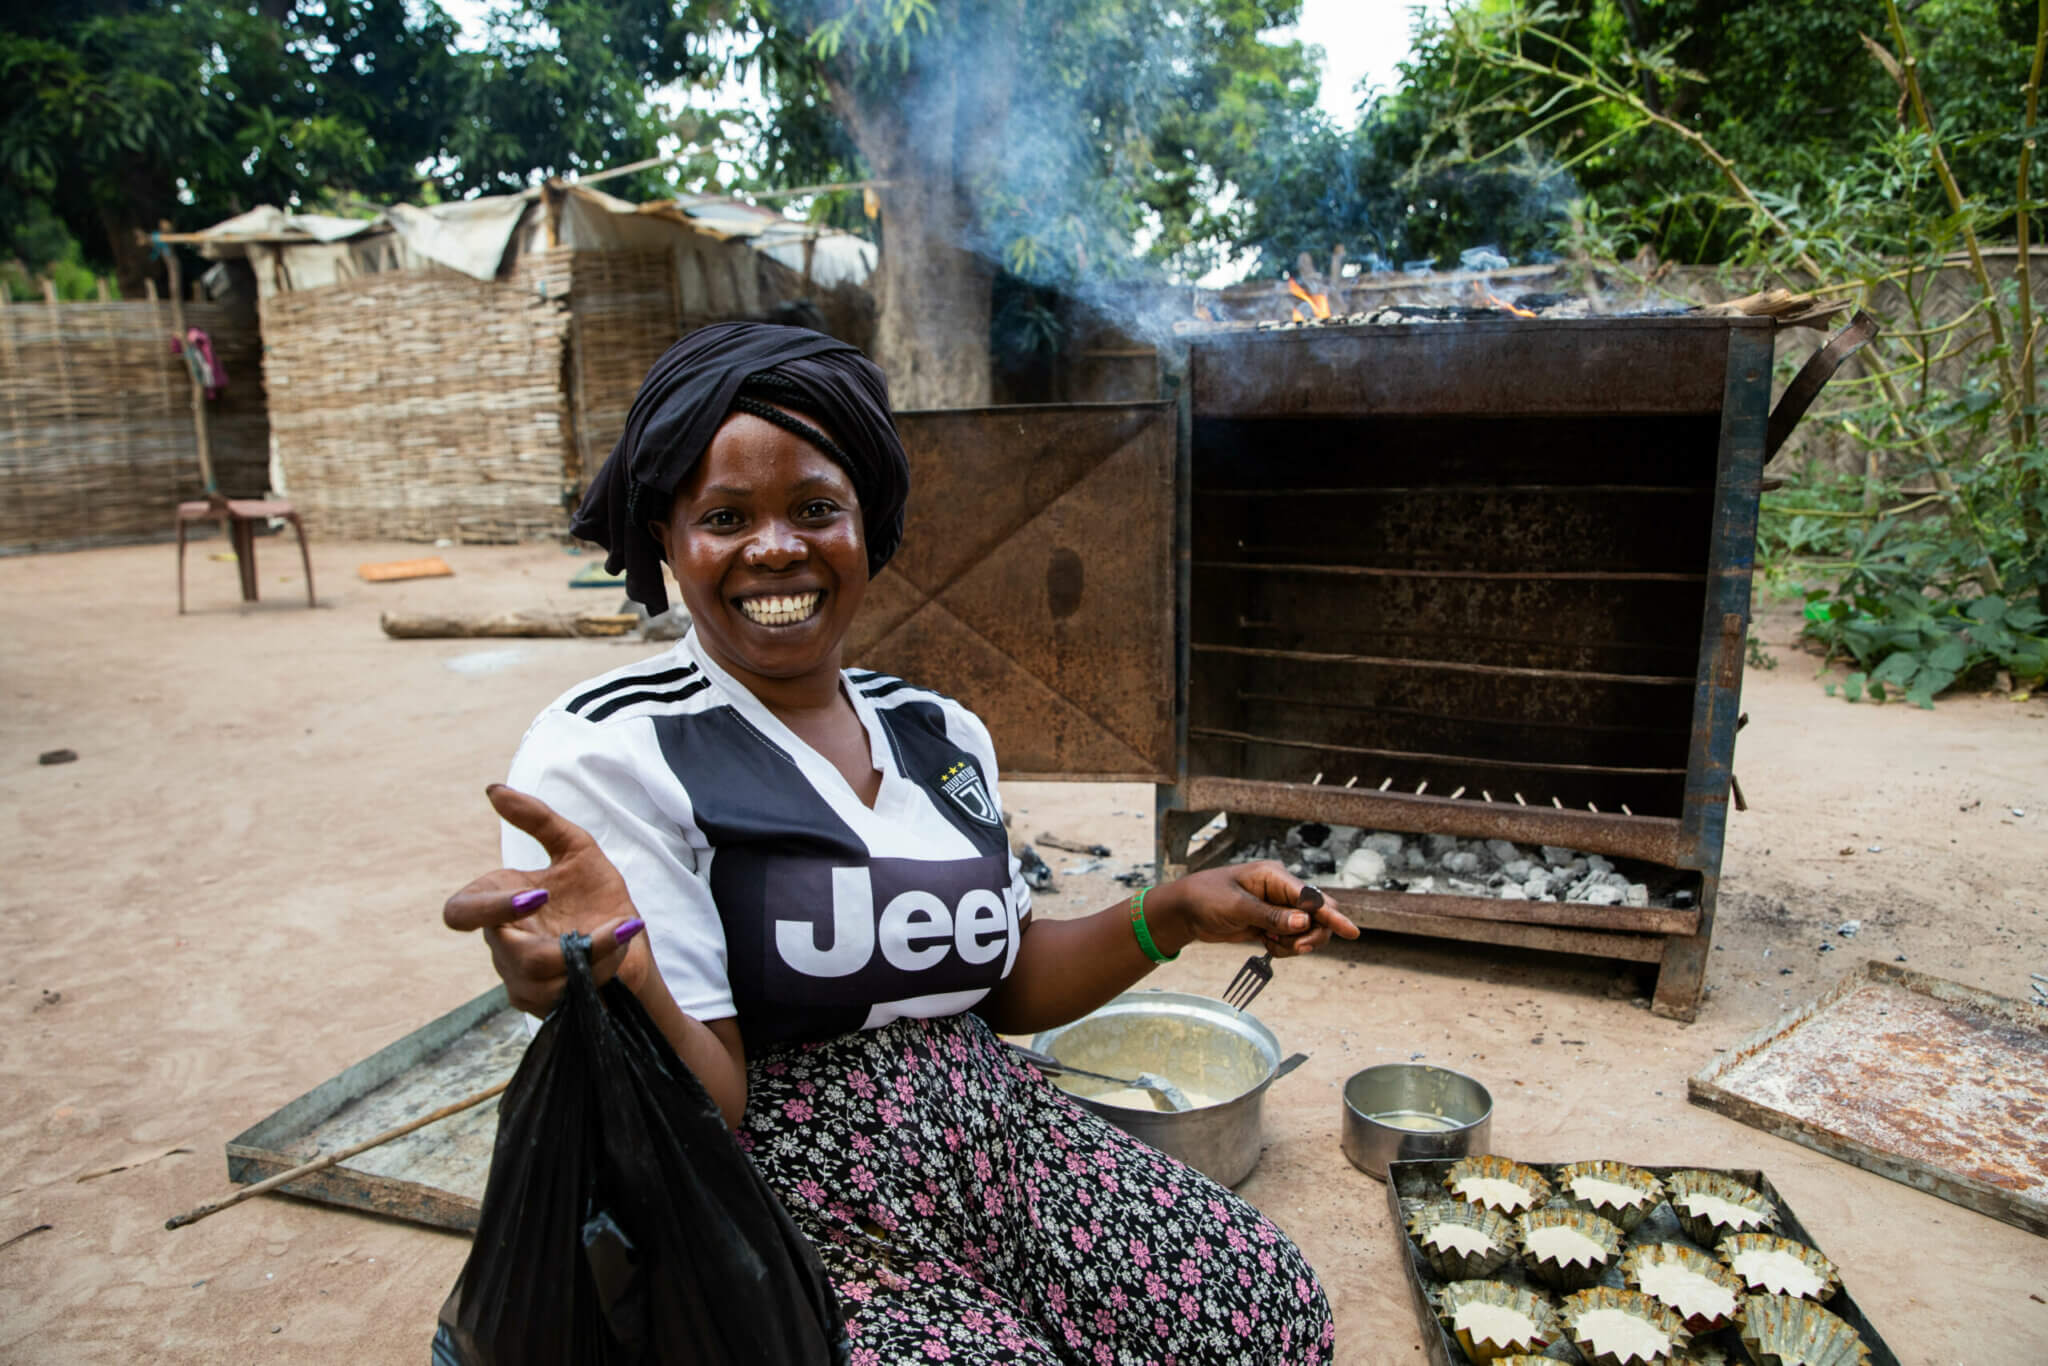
x: 622, y: 307
x: 96, y: 438
x: 424, y: 404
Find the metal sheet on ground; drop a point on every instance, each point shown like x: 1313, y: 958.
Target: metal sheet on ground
x: 433, y: 1176
x: 1928, y: 1082
x: 1412, y: 1184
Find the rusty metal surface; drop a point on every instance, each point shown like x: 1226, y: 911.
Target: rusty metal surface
x: 1516, y: 588
x: 1617, y: 365
x: 1925, y: 1081
x: 1410, y: 1184
x: 1036, y: 583
x: 1654, y: 839
x: 1651, y: 920
x: 434, y: 1176
x: 1723, y: 637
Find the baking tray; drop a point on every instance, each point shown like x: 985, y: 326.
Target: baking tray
x: 1409, y: 1184
x: 1930, y: 1083
x: 433, y: 1176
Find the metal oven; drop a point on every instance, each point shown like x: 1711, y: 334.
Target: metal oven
x: 1487, y: 578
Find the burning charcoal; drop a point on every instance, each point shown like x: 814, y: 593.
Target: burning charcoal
x: 1385, y: 843
x: 1414, y: 857
x: 1362, y: 868
x: 1556, y: 857
x: 1503, y: 852
x: 1464, y: 888
x: 1600, y: 894
x: 1513, y: 893
x: 1423, y: 885
x: 1462, y: 861
x: 1598, y: 864
x: 1537, y: 887
x: 1343, y: 839
x: 1318, y: 862
x: 1637, y: 895
x: 1518, y: 869
x: 1440, y: 845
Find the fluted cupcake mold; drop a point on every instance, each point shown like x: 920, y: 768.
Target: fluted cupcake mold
x: 1769, y: 1265
x: 1620, y: 1194
x: 1461, y: 1241
x: 1693, y: 1285
x: 1783, y: 1330
x: 1711, y: 1206
x: 1613, y: 1327
x: 1492, y: 1319
x: 1566, y: 1248
x: 1497, y: 1183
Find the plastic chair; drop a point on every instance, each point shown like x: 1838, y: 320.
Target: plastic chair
x: 238, y: 518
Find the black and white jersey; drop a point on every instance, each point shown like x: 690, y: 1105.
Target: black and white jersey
x: 770, y: 891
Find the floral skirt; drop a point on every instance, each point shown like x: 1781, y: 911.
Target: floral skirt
x: 968, y: 1211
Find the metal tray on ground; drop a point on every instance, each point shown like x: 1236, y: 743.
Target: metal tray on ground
x: 1933, y: 1084
x: 433, y: 1176
x: 1410, y: 1184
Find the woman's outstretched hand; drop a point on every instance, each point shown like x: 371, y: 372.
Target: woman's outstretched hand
x: 523, y: 915
x: 1248, y: 903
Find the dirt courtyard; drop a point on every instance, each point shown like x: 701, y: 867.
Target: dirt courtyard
x: 234, y: 893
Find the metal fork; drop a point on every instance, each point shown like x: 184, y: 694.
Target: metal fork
x: 1257, y: 971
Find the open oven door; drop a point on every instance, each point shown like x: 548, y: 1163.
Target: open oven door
x: 1037, y: 584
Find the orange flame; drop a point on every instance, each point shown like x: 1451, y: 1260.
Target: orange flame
x: 1492, y: 300
x: 1318, y: 303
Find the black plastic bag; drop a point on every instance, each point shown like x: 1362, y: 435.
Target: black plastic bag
x: 621, y: 1223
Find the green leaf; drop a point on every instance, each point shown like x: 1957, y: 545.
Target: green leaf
x: 1852, y: 686
x: 1988, y: 610
x: 1896, y: 668
x: 1951, y: 655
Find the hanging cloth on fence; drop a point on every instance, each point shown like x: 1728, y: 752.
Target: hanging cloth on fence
x: 197, y: 349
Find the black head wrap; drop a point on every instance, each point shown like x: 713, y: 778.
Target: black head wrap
x: 758, y: 368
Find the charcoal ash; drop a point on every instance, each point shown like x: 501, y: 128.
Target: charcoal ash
x: 1389, y: 861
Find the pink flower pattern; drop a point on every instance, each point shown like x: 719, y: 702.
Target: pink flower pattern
x: 970, y: 1213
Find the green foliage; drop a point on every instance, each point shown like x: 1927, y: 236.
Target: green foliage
x: 1920, y: 587
x: 116, y: 115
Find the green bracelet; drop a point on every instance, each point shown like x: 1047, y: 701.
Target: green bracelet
x: 1144, y: 931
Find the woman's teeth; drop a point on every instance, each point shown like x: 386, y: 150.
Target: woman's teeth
x: 782, y: 610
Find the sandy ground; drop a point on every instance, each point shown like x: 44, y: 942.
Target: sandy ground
x: 233, y: 895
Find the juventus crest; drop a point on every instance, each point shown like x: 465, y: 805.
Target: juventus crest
x: 961, y: 782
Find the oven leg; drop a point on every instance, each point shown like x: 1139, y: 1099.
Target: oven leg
x: 1682, y: 974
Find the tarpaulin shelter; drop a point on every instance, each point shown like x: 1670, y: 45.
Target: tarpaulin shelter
x: 457, y: 370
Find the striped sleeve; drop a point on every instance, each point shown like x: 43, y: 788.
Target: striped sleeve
x: 609, y: 780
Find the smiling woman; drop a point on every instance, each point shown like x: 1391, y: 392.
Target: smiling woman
x: 836, y: 927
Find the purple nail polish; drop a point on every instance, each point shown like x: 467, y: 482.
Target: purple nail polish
x: 530, y: 898
x: 628, y: 930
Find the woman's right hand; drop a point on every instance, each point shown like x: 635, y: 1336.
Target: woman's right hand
x: 523, y: 915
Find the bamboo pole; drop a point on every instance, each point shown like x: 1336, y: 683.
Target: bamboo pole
x: 198, y: 390
x: 16, y: 419
x: 2029, y: 518
x: 1910, y: 68
x: 321, y: 1164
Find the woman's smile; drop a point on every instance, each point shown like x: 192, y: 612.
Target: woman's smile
x: 780, y: 609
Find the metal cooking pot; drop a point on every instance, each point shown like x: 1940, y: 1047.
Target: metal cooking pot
x: 1458, y: 1100
x: 1201, y: 1045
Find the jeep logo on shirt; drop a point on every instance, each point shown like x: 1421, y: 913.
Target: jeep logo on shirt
x: 893, y: 929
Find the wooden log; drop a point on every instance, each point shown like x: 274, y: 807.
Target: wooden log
x: 530, y: 625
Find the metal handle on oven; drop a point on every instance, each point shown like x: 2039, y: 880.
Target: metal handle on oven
x: 1820, y: 367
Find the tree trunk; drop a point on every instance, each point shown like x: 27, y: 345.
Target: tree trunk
x: 932, y: 289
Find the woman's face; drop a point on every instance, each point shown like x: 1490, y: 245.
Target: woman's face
x: 766, y: 543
